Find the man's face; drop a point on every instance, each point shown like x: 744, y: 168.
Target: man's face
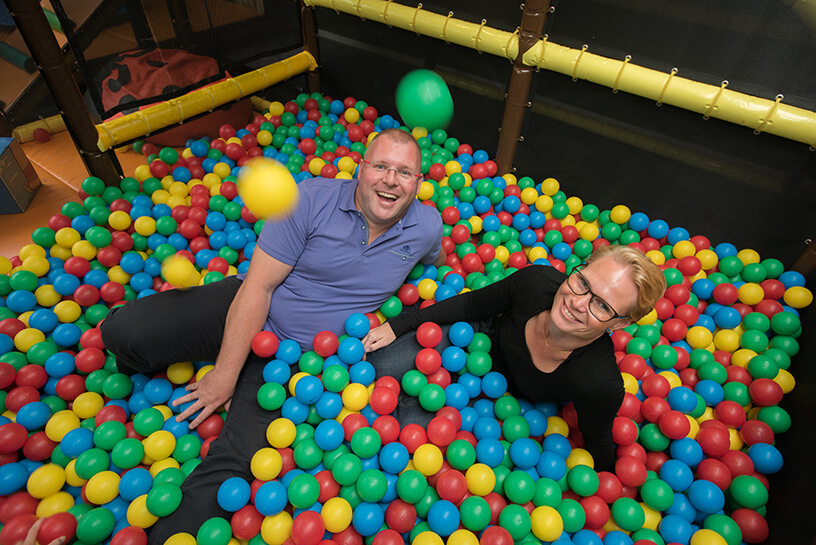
x: 383, y: 196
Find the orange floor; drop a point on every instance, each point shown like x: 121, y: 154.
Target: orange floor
x: 61, y: 170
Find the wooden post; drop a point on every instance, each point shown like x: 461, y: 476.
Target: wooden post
x: 308, y: 26
x: 43, y: 46
x: 518, y: 89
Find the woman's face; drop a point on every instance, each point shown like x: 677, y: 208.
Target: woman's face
x: 607, y: 279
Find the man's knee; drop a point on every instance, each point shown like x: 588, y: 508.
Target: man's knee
x: 119, y: 335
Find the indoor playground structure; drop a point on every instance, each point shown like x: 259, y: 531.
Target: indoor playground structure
x: 176, y: 128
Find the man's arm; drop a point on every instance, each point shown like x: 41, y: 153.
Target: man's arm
x: 245, y: 318
x: 440, y: 259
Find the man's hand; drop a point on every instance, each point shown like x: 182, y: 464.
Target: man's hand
x: 378, y: 337
x: 207, y: 395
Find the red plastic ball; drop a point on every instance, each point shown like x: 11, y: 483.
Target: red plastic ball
x: 12, y: 437
x: 596, y: 510
x: 400, y: 516
x: 452, y: 486
x: 756, y: 431
x: 352, y: 423
x: 429, y: 334
x: 383, y: 400
x: 265, y: 344
x: 129, y: 535
x: 653, y: 407
x: 610, y: 487
x: 738, y: 463
x: 730, y: 413
x: 388, y: 427
x: 624, y: 431
x: 715, y: 471
x: 21, y: 396
x: 57, y: 525
x: 329, y: 488
x: 725, y: 294
x: 411, y: 436
x: 69, y: 387
x: 31, y: 375
x: 428, y: 360
x: 630, y: 471
x: 655, y: 385
x: 325, y: 344
x: 674, y: 424
x: 495, y: 535
x: 753, y: 526
x: 308, y: 528
x: 89, y: 360
x: 441, y: 431
x: 765, y: 392
x: 713, y: 440
x: 38, y: 446
x: 14, y: 532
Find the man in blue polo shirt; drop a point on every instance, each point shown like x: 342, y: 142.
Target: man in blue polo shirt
x: 346, y: 248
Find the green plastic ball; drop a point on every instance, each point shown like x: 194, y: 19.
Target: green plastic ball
x: 164, y: 499
x: 424, y: 100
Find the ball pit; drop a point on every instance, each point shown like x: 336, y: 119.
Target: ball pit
x: 96, y: 453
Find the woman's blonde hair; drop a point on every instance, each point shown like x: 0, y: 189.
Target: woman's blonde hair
x: 646, y: 275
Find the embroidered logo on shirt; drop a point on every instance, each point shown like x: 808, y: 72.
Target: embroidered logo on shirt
x: 404, y: 252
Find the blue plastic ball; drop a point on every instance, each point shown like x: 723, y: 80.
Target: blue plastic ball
x: 368, y: 518
x: 271, y: 498
x: 233, y: 494
x: 767, y: 458
x: 135, y: 483
x: 357, y: 325
x: 706, y: 496
x: 443, y: 517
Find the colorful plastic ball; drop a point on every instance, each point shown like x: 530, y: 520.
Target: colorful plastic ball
x: 13, y: 476
x: 424, y: 100
x: 357, y: 325
x: 766, y: 458
x: 95, y: 526
x: 214, y: 531
x: 233, y: 494
x: 677, y: 475
x: 308, y: 528
x: 270, y: 498
x: 628, y: 514
x: 748, y: 491
x: 267, y: 188
x: 429, y: 335
x: 516, y: 520
x: 753, y: 526
x: 705, y: 496
x: 368, y: 518
x: 325, y: 343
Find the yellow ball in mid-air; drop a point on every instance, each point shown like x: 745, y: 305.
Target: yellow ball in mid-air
x: 267, y: 188
x: 179, y: 272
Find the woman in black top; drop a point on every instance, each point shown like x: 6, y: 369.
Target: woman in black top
x: 550, y: 335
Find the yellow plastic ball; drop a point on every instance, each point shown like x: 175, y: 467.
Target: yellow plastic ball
x: 268, y: 188
x: 537, y: 252
x: 750, y: 293
x: 160, y: 196
x: 159, y: 444
x: 798, y: 297
x: 180, y: 372
x: 652, y: 517
x: 37, y: 264
x: 87, y: 404
x: 575, y: 204
x: 102, y: 487
x: 211, y: 180
x: 181, y: 538
x: 567, y: 221
x: 510, y: 178
x: 785, y: 379
x: 463, y: 537
x: 347, y: 164
x: 337, y: 514
x: 694, y: 427
x: 30, y: 250
x: 222, y: 170
x: 85, y: 249
x: 428, y: 538
x: 547, y: 524
x: 60, y: 252
x: 67, y: 237
x: 502, y: 254
x: 55, y: 503
x: 281, y: 432
x: 589, y: 231
x: 160, y: 465
x: 138, y: 515
x: 351, y: 115
x: 556, y: 424
x: 708, y: 259
x: 178, y: 271
x: 630, y: 383
x: 475, y: 224
x: 276, y: 529
x: 726, y: 339
x: 276, y: 108
x: 5, y: 265
x: 355, y: 397
x: 529, y: 196
x: 46, y: 480
x: 580, y: 457
x: 428, y: 459
x: 657, y: 257
x: 707, y: 537
x: 145, y: 226
x: 28, y: 337
x: 748, y: 256
x: 683, y: 248
x: 480, y: 479
x: 699, y: 337
x: 119, y: 220
x: 264, y: 138
x: 544, y: 203
x: 178, y: 188
x: 266, y: 464
x: 419, y: 132
x: 550, y: 186
x: 620, y: 214
x: 649, y: 318
x: 142, y: 173
x: 316, y: 165
x: 673, y: 378
x: 47, y: 296
x: 426, y: 288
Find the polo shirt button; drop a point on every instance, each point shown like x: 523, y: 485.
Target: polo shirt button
x: 363, y: 242
x: 363, y: 227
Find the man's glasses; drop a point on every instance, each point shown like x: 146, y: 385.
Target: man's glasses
x: 402, y: 174
x: 599, y: 308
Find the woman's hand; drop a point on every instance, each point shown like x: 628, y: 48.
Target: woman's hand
x: 31, y: 536
x: 378, y: 337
